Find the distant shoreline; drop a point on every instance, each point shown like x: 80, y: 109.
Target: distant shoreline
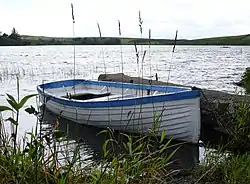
x: 25, y: 40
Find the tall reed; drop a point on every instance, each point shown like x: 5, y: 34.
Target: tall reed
x: 74, y: 53
x: 149, y: 53
x: 172, y: 55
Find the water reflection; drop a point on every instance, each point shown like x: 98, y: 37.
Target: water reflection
x: 186, y: 157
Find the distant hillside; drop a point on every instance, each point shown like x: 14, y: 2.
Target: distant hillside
x: 15, y: 39
x: 227, y: 40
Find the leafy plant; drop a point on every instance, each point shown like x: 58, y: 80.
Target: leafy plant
x: 15, y: 107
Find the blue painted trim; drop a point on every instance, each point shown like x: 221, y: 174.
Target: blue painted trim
x: 67, y: 83
x: 180, y: 94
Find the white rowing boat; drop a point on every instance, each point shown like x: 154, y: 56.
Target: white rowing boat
x: 127, y: 107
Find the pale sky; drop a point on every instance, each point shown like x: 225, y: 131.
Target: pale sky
x: 193, y: 18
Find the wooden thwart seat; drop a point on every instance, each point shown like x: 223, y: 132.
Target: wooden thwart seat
x: 86, y: 96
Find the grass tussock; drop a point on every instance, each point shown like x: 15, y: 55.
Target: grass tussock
x: 245, y: 80
x: 224, y: 168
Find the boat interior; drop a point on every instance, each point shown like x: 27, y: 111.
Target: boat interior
x: 92, y: 93
x: 88, y: 94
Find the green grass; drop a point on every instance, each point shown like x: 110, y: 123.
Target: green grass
x: 230, y: 163
x: 245, y: 80
x: 223, y: 168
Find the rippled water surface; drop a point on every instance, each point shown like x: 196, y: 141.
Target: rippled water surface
x: 205, y: 67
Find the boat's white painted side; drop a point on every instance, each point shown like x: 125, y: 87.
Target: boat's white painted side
x: 179, y: 119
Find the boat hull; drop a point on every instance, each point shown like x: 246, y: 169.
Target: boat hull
x: 179, y: 119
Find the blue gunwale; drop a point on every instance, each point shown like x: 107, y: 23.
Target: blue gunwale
x: 174, y: 93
